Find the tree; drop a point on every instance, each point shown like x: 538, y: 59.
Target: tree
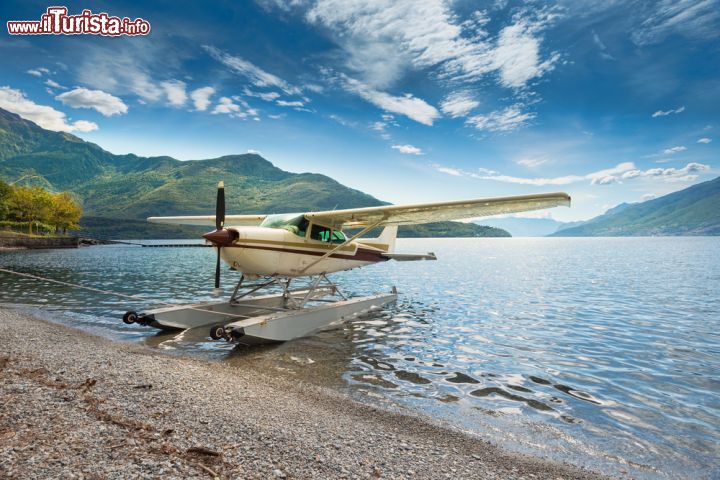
x: 5, y: 193
x: 65, y: 212
x: 30, y: 204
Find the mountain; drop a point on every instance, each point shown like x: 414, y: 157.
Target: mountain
x: 692, y: 211
x: 119, y: 191
x: 525, y: 227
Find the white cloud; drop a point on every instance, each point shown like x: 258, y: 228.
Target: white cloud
x: 408, y: 149
x: 532, y: 162
x: 175, y: 92
x: 201, y: 97
x: 704, y: 140
x: 267, y: 96
x: 84, y: 126
x: 342, y: 121
x: 601, y: 177
x: 517, y: 55
x: 458, y: 104
x: 121, y: 71
x: 254, y: 152
x: 52, y: 83
x: 412, y: 107
x: 688, y: 173
x: 285, y: 103
x: 381, y: 39
x: 38, y: 72
x: 505, y: 120
x: 665, y: 113
x: 691, y: 18
x: 312, y: 87
x: 603, y: 48
x: 227, y: 106
x: 674, y: 150
x: 256, y: 75
x: 448, y: 170
x: 47, y: 117
x: 102, y: 102
x: 648, y: 196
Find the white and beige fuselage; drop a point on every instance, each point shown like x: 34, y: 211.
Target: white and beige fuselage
x: 275, y: 251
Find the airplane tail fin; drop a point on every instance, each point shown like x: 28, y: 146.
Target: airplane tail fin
x: 388, y: 236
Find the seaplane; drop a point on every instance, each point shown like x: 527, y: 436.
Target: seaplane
x: 284, y: 261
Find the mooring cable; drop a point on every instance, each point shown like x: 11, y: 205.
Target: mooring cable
x: 117, y: 294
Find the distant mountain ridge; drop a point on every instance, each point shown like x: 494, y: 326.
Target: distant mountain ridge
x: 692, y: 211
x: 120, y: 191
x: 525, y: 227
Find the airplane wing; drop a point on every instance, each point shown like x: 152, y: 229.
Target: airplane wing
x: 234, y: 220
x: 436, y: 212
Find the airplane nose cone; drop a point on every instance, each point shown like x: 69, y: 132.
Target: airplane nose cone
x: 221, y: 237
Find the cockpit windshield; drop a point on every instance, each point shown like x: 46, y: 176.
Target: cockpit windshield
x: 293, y: 222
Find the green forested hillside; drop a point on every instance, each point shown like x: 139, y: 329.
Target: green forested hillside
x: 119, y: 191
x: 692, y: 211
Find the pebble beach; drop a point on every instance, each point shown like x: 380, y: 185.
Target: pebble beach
x: 75, y: 405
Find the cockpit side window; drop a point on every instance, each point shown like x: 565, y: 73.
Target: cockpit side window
x: 321, y: 233
x: 338, y: 236
x: 325, y: 234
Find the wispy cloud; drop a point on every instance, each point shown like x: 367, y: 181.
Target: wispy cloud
x: 412, y: 107
x: 458, y: 104
x: 294, y: 103
x: 122, y: 71
x: 688, y: 173
x: 504, y: 120
x: 665, y: 113
x: 608, y: 176
x: 201, y: 97
x: 601, y: 45
x: 384, y: 39
x: 705, y: 140
x: 691, y: 18
x: 532, y: 162
x: 52, y: 83
x: 102, y: 102
x: 601, y: 177
x: 674, y: 150
x: 38, y: 72
x: 408, y: 149
x: 267, y: 96
x: 256, y: 75
x: 47, y: 117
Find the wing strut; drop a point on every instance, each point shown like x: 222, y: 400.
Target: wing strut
x: 340, y: 245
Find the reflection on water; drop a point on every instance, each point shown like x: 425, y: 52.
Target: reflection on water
x: 594, y: 350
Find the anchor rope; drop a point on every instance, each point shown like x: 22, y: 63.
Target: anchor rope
x: 83, y: 287
x: 117, y: 294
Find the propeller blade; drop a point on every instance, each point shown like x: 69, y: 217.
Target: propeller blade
x: 217, y: 268
x: 220, y: 206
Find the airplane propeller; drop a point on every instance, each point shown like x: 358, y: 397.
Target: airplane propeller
x: 219, y: 224
x: 221, y: 236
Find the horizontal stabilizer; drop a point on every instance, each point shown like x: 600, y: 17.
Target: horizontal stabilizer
x: 409, y: 257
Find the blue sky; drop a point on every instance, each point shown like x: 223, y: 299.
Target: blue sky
x: 610, y: 101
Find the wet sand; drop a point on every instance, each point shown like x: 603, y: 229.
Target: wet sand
x: 75, y: 405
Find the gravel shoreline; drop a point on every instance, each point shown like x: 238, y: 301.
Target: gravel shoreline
x: 75, y: 405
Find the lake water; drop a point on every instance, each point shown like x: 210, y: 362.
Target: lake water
x: 603, y: 352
